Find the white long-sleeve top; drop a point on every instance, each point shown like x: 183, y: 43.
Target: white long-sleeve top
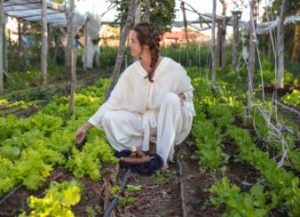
x: 134, y: 92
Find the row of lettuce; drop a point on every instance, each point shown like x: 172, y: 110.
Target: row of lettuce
x: 31, y: 148
x: 219, y: 113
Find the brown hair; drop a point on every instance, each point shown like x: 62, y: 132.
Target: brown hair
x: 148, y: 35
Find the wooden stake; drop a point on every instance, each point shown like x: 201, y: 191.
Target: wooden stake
x: 44, y: 49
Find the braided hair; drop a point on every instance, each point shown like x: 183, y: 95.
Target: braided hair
x: 148, y: 35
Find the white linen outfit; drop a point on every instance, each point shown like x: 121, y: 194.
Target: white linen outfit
x: 139, y: 111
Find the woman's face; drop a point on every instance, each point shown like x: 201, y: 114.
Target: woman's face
x: 135, y: 47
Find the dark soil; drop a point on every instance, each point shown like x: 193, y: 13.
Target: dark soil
x: 195, y: 184
x: 159, y: 196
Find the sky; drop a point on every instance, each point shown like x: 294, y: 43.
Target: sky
x: 202, y: 6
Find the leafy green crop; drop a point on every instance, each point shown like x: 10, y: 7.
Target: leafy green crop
x: 59, y: 199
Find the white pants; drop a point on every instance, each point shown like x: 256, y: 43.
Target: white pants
x: 124, y: 129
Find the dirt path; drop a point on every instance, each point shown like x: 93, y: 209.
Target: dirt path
x: 182, y: 191
x: 159, y: 196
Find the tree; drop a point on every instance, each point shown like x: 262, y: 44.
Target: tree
x: 121, y: 50
x: 162, y: 13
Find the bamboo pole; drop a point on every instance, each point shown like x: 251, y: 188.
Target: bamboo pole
x: 213, y: 45
x: 44, y: 49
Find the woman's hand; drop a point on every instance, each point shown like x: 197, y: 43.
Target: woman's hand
x: 181, y: 97
x: 81, y: 132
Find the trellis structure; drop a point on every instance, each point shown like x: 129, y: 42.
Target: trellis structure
x: 54, y: 15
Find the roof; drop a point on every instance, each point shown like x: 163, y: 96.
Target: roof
x: 31, y: 10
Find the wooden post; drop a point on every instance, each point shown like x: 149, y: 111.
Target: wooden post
x: 213, y: 46
x: 20, y: 45
x: 296, y: 42
x: 86, y: 45
x: 72, y: 55
x: 252, y: 55
x: 280, y: 46
x: 188, y: 61
x: 70, y: 34
x: 121, y: 49
x: 223, y: 36
x: 147, y: 11
x: 137, y: 19
x: 219, y: 44
x: 184, y: 22
x: 44, y: 49
x: 5, y: 56
x: 137, y: 16
x: 235, y: 39
x: 252, y: 45
x: 73, y: 76
x: 1, y: 49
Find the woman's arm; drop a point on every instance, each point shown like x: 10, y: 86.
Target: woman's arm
x: 81, y: 132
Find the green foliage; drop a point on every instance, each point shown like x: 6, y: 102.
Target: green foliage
x: 31, y: 147
x: 269, y: 77
x: 10, y: 152
x: 192, y: 55
x: 208, y: 140
x: 292, y: 7
x: 8, y: 175
x: 133, y: 188
x: 59, y: 199
x: 292, y: 99
x: 108, y: 57
x: 260, y: 125
x: 221, y: 115
x: 216, y: 110
x: 164, y: 177
x: 17, y: 80
x: 279, y: 180
x: 125, y: 198
x: 32, y: 170
x: 239, y: 204
x: 87, y: 161
x: 162, y: 13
